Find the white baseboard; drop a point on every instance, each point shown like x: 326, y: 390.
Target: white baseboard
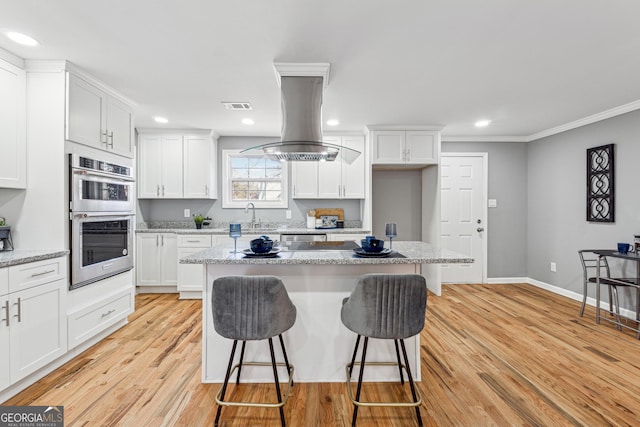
x: 557, y: 290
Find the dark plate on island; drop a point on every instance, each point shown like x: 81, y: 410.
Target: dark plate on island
x: 249, y: 253
x: 365, y: 254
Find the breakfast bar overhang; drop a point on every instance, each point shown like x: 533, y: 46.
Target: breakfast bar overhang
x: 318, y: 344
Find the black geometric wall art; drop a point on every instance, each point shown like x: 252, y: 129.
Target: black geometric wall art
x: 600, y: 184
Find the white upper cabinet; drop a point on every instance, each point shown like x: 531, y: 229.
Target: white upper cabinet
x: 331, y: 180
x: 176, y: 166
x: 199, y: 167
x: 304, y: 180
x: 97, y: 119
x: 13, y: 126
x: 160, y: 167
x: 410, y: 147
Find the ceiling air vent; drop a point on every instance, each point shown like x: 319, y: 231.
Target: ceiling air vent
x: 237, y: 106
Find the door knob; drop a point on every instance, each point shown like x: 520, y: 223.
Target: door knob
x: 479, y: 229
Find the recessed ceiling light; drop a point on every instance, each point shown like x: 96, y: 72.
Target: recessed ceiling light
x: 482, y: 123
x: 161, y: 120
x: 248, y: 122
x: 22, y: 39
x: 333, y: 122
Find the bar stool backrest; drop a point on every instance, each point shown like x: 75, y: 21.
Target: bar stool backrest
x: 387, y: 306
x: 251, y: 307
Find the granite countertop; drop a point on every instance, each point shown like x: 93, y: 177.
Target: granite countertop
x: 414, y: 252
x: 22, y: 256
x: 267, y: 231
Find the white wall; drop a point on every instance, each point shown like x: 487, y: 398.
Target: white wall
x: 397, y: 197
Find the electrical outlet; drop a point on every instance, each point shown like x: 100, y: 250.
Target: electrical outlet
x: 493, y: 203
x: 553, y: 267
x: 187, y: 213
x: 287, y: 214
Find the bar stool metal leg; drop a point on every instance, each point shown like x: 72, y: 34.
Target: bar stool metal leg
x: 411, y: 384
x: 226, y: 380
x: 275, y: 375
x: 399, y: 362
x: 286, y: 359
x: 244, y: 343
x: 364, y: 355
x: 355, y: 351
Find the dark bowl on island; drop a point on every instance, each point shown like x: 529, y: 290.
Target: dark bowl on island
x: 372, y: 245
x: 261, y: 246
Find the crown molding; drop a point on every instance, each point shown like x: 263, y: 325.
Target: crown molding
x: 404, y: 127
x: 309, y: 69
x: 11, y: 58
x: 607, y: 114
x: 471, y: 138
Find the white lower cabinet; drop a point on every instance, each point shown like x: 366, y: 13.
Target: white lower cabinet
x: 156, y: 256
x: 33, y: 331
x: 191, y: 276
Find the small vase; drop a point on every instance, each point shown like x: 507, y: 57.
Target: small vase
x: 198, y: 225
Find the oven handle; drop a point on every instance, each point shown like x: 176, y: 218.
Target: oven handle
x: 103, y: 175
x: 104, y: 214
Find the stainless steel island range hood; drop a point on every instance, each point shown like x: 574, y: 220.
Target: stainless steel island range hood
x: 302, y: 122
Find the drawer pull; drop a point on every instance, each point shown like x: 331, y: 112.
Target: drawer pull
x: 43, y: 273
x: 6, y: 308
x: 193, y: 241
x: 108, y: 312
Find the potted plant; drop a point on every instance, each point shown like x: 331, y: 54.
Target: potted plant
x: 4, y: 229
x: 198, y: 219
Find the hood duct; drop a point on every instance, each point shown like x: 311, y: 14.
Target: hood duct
x: 302, y: 125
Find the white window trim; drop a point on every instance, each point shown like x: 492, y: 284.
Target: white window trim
x: 227, y: 203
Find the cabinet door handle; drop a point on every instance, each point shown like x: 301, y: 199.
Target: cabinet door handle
x: 110, y: 136
x: 6, y: 308
x: 157, y: 240
x: 344, y: 191
x: 105, y: 137
x: 158, y: 190
x: 408, y: 154
x: 42, y: 273
x: 193, y: 241
x: 163, y: 190
x: 162, y: 240
x: 19, y: 315
x: 206, y: 190
x: 108, y: 312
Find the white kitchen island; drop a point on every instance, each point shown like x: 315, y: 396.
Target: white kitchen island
x: 318, y: 345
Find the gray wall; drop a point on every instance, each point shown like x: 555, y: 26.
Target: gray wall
x: 396, y: 197
x: 506, y: 224
x: 172, y: 210
x: 557, y: 226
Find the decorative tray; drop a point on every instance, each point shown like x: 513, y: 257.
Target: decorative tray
x: 364, y: 254
x: 249, y: 253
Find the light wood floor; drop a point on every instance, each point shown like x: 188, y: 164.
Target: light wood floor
x: 499, y: 355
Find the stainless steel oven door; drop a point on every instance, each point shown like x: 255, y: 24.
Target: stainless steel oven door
x: 102, y: 246
x: 97, y: 192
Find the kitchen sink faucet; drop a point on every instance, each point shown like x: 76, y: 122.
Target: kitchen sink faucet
x: 253, y: 216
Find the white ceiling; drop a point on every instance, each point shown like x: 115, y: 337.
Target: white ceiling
x: 528, y: 65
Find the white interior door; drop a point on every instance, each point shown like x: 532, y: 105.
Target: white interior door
x: 463, y: 214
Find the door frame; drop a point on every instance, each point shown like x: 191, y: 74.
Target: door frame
x: 485, y: 198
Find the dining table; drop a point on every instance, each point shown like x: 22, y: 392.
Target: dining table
x: 627, y: 281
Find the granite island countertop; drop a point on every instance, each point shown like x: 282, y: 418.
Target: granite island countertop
x: 413, y: 252
x: 22, y: 256
x: 266, y: 231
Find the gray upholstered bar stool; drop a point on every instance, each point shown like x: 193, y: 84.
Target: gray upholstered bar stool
x: 385, y: 306
x: 248, y: 308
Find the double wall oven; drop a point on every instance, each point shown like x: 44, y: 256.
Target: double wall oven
x: 101, y: 209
